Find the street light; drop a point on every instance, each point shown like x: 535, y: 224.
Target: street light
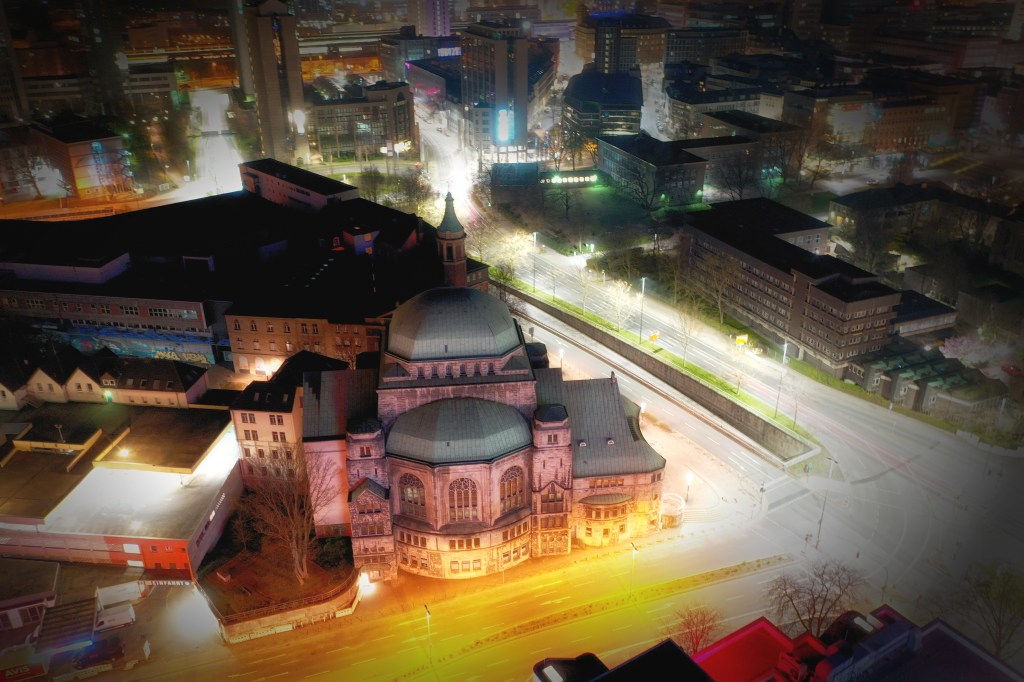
x: 643, y: 289
x: 534, y: 262
x: 821, y: 520
x: 632, y: 568
x: 689, y: 481
x: 430, y: 653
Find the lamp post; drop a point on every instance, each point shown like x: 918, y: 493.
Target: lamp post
x: 778, y: 395
x: 689, y: 481
x: 430, y: 652
x: 534, y: 262
x: 643, y: 290
x: 824, y: 502
x: 632, y: 568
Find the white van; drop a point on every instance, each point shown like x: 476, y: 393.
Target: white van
x: 114, y: 617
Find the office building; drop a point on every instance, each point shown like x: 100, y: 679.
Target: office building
x: 495, y: 82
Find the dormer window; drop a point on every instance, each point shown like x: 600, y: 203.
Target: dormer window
x: 611, y: 441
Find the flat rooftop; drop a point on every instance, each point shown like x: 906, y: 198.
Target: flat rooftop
x: 176, y: 461
x: 166, y: 439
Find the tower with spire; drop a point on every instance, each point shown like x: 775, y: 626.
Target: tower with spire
x: 451, y: 245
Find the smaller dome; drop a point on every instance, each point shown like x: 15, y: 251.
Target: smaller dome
x: 456, y: 430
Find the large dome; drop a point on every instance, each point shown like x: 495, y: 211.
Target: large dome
x: 457, y: 430
x: 451, y: 323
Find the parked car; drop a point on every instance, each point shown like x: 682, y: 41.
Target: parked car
x: 98, y: 653
x: 1013, y: 370
x: 872, y: 181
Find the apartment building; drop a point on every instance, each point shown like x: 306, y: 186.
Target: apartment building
x: 616, y: 43
x: 827, y: 310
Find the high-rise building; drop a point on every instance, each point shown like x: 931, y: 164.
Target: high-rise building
x: 13, y: 105
x: 277, y: 79
x: 431, y: 17
x: 495, y: 80
x: 236, y: 17
x: 101, y: 27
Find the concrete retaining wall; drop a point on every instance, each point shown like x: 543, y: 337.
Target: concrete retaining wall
x: 785, y: 445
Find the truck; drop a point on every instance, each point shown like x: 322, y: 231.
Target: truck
x: 114, y: 617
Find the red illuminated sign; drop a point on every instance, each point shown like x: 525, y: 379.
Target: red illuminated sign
x: 22, y: 672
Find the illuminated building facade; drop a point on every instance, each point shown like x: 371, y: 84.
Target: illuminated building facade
x: 495, y: 76
x: 130, y: 486
x: 432, y: 17
x: 91, y: 160
x: 617, y: 42
x: 826, y: 309
x: 476, y: 460
x: 362, y: 121
x: 407, y: 46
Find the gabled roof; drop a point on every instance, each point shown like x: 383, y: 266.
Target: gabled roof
x: 369, y: 484
x: 14, y: 372
x: 154, y: 375
x: 59, y: 364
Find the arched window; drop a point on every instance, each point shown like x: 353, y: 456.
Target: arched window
x: 413, y: 498
x: 462, y: 500
x: 512, y: 489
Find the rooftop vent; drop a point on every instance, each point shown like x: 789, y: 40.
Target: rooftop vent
x: 583, y: 443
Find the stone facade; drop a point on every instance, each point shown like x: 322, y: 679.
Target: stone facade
x: 471, y: 464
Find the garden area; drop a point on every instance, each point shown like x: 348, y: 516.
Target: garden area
x: 247, y: 570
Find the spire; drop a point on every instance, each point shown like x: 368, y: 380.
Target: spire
x: 450, y: 226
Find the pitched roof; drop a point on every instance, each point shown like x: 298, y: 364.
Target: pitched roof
x: 153, y: 375
x: 368, y: 484
x: 292, y: 370
x: 597, y: 415
x: 330, y: 399
x: 266, y: 396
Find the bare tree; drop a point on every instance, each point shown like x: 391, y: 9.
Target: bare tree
x: 371, y: 183
x: 640, y: 187
x: 780, y: 162
x: 992, y: 599
x: 584, y: 279
x: 698, y: 627
x: 716, y: 274
x: 811, y: 601
x: 736, y: 173
x: 285, y: 508
x: 621, y: 298
x: 412, y: 191
x: 509, y: 250
x: 561, y: 197
x: 872, y: 238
